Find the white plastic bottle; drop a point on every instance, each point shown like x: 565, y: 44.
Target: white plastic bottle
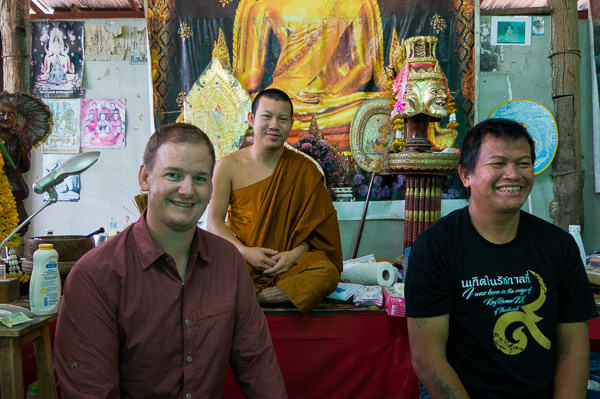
x: 575, y: 231
x: 44, y: 286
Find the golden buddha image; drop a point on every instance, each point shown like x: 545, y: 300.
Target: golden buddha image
x: 328, y: 52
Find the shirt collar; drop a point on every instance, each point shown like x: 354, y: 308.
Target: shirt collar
x: 149, y: 251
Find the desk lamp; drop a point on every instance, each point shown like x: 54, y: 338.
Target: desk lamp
x: 72, y: 166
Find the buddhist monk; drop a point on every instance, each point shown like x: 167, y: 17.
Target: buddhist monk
x: 279, y: 213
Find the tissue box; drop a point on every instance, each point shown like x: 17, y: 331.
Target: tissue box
x: 394, y: 304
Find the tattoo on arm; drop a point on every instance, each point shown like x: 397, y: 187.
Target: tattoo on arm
x: 420, y: 322
x: 444, y: 388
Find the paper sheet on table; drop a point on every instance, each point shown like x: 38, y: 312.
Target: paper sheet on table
x: 344, y: 291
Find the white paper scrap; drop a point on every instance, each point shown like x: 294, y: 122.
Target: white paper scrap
x: 344, y: 291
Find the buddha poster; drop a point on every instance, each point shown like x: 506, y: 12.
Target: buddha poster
x: 65, y: 131
x: 328, y: 56
x: 56, y: 68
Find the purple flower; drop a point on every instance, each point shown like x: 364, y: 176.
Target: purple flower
x: 362, y: 190
x: 306, y: 147
x: 401, y: 179
x: 323, y: 143
x: 329, y: 157
x: 377, y: 193
x: 395, y: 186
x: 358, y: 179
x: 378, y: 180
x: 317, y: 153
x: 385, y: 192
x: 452, y: 194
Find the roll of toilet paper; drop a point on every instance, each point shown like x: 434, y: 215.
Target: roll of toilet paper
x: 377, y: 273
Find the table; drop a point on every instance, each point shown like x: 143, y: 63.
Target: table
x: 11, y: 365
x: 334, y: 355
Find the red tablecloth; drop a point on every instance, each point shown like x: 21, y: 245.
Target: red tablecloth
x: 342, y: 355
x: 347, y: 355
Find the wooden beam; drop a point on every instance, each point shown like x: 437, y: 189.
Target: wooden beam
x: 89, y: 13
x: 566, y: 167
x: 595, y: 7
x: 14, y: 16
x: 133, y: 5
x: 517, y: 11
x: 36, y: 9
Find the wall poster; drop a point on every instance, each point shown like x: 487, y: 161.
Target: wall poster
x: 56, y: 68
x: 69, y: 189
x: 329, y: 56
x: 103, y: 123
x: 65, y: 132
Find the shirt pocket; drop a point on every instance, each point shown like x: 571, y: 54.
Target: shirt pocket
x: 216, y: 325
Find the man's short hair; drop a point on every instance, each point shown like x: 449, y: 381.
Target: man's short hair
x: 273, y: 94
x: 176, y: 133
x: 504, y: 129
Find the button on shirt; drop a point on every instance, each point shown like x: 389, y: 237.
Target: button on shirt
x: 135, y: 330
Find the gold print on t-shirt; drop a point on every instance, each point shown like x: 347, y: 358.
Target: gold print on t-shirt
x: 526, y: 315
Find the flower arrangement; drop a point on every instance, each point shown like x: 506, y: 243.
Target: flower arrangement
x: 385, y: 188
x: 452, y: 188
x: 9, y: 219
x: 329, y: 157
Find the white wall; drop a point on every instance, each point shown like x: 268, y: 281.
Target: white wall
x: 526, y: 73
x: 110, y: 185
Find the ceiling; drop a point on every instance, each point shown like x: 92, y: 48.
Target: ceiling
x: 582, y: 5
x: 85, y: 9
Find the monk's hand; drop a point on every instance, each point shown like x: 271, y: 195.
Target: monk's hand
x: 285, y: 260
x: 259, y: 258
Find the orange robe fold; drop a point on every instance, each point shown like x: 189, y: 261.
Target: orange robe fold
x: 282, y: 211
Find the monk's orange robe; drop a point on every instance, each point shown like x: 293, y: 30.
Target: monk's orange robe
x: 282, y: 211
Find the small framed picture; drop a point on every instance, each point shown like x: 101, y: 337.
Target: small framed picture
x: 511, y: 31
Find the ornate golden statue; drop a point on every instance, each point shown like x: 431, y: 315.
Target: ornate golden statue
x: 422, y: 97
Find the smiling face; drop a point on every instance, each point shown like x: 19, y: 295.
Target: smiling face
x: 179, y: 186
x: 412, y: 95
x: 272, y: 123
x: 425, y: 97
x: 434, y: 98
x: 502, y: 178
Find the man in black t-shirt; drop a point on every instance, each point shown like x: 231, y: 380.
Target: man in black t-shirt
x: 497, y: 299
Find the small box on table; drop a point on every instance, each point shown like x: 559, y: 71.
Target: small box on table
x: 393, y: 302
x: 10, y: 290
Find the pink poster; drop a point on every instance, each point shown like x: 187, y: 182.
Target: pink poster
x: 102, y: 123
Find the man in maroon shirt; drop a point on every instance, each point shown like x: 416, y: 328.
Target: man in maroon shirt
x: 162, y: 308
